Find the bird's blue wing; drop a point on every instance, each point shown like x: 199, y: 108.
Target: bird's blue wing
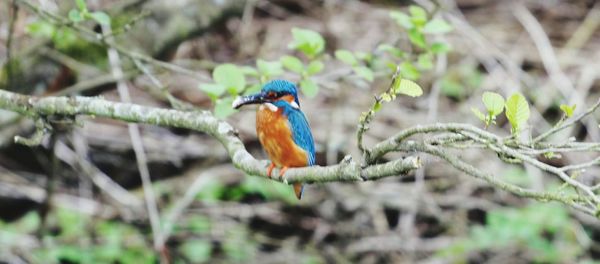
x: 301, y: 133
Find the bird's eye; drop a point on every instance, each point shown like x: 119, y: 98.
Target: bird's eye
x: 272, y: 95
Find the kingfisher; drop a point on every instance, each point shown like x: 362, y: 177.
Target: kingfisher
x: 282, y: 128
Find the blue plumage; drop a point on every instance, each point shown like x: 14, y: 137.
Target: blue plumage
x: 282, y: 87
x: 300, y: 129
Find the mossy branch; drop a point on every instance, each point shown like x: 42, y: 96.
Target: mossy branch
x: 201, y: 121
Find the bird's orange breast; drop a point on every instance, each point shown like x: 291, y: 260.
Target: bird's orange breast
x: 275, y: 135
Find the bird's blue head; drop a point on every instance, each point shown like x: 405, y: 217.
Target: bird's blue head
x: 273, y: 91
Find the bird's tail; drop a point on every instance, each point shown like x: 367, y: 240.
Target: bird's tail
x: 298, y: 189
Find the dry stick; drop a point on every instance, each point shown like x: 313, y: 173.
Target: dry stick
x: 85, y: 185
x: 101, y: 180
x: 582, y: 34
x: 45, y: 208
x: 72, y: 64
x: 66, y: 201
x: 539, y: 37
x: 138, y: 148
x: 201, y: 181
x: 91, y: 83
x: 14, y: 9
x: 175, y: 103
x: 419, y: 186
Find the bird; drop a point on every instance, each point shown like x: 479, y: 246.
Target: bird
x: 282, y: 128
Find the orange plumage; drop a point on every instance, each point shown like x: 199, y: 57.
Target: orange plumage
x: 275, y: 135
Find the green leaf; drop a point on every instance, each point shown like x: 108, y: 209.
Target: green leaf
x: 28, y: 223
x: 453, y: 88
x: 81, y: 5
x: 478, y: 114
x: 418, y: 14
x: 568, y: 109
x: 377, y: 106
x: 407, y: 87
x: 396, y: 52
x: 230, y: 76
x: 425, y: 61
x: 364, y: 73
x: 402, y: 19
x: 65, y: 38
x: 494, y: 103
x: 214, y: 90
x: 200, y: 224
x: 315, y: 67
x: 75, y: 16
x: 250, y: 71
x: 101, y: 17
x: 223, y: 107
x: 409, y: 71
x: 196, y: 251
x: 307, y: 41
x: 41, y: 29
x: 439, y: 48
x: 346, y: 57
x: 417, y: 38
x: 309, y: 87
x: 517, y: 111
x: 269, y: 68
x: 292, y: 63
x: 364, y: 56
x: 252, y: 89
x: 437, y: 26
x: 269, y: 190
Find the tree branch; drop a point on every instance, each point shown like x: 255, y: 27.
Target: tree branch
x: 202, y: 121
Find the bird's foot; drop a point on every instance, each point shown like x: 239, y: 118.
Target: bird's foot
x: 282, y: 172
x: 270, y: 169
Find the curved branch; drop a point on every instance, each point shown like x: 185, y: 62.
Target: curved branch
x: 568, y: 123
x: 202, y: 121
x: 391, y: 143
x: 470, y: 170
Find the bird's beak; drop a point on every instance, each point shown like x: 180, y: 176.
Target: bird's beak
x: 258, y: 98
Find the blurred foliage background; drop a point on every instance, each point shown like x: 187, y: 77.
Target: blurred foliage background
x: 341, y: 53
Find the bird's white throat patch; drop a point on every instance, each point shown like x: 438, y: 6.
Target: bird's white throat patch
x: 271, y: 107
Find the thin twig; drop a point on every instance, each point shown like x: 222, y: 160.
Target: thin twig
x: 175, y: 103
x: 494, y: 181
x: 14, y: 9
x: 547, y: 54
x: 569, y: 122
x: 101, y: 180
x: 138, y: 149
